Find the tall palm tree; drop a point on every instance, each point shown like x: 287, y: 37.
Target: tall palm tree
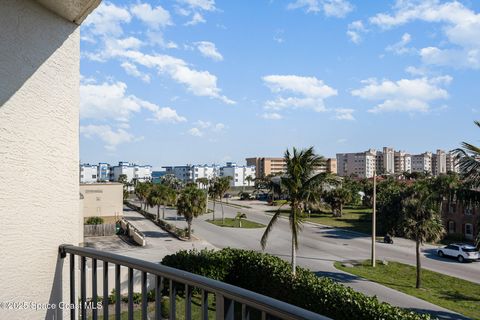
x: 190, y: 204
x: 156, y: 198
x: 223, y: 184
x: 249, y: 179
x: 141, y: 190
x: 204, y: 182
x: 212, y: 193
x: 299, y: 181
x: 421, y: 219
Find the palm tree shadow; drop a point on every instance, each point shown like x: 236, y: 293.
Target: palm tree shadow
x: 457, y: 296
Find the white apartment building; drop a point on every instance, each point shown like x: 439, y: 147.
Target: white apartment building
x: 190, y: 173
x: 360, y: 164
x: 103, y: 172
x: 385, y: 161
x: 422, y: 162
x: 88, y: 173
x: 133, y: 172
x: 403, y: 162
x: 452, y: 163
x: 239, y: 174
x: 439, y: 163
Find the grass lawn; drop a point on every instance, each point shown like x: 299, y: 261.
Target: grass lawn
x: 234, y: 223
x: 354, y: 219
x: 449, y: 292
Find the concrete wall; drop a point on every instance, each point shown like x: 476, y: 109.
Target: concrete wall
x: 102, y: 199
x: 39, y: 126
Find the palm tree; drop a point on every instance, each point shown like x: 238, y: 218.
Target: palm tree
x: 239, y: 217
x: 337, y: 198
x: 204, y: 182
x: 141, y: 190
x: 191, y: 203
x: 299, y: 181
x: 249, y: 179
x: 421, y: 220
x: 156, y: 198
x: 223, y: 184
x: 212, y: 193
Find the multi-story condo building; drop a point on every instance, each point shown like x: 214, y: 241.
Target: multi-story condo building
x: 331, y: 165
x: 103, y: 172
x: 439, y: 162
x: 267, y: 166
x: 239, y: 174
x: 461, y: 219
x: 360, y: 164
x: 133, y: 172
x: 88, y: 173
x: 422, y: 162
x: 190, y: 173
x: 403, y: 162
x: 385, y: 161
x: 452, y: 163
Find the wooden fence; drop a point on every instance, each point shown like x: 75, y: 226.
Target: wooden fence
x: 99, y: 230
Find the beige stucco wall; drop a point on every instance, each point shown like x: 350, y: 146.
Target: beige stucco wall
x: 102, y: 199
x: 39, y: 127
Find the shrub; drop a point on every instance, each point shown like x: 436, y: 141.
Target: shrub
x: 271, y: 276
x: 278, y: 203
x: 94, y: 220
x: 165, y: 307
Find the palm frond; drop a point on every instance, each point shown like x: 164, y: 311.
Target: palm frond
x: 270, y: 225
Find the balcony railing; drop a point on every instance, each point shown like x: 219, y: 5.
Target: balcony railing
x: 227, y: 297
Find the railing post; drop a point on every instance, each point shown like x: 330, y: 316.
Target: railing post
x: 204, y: 305
x: 117, y: 292
x: 158, y: 297
x: 188, y: 302
x: 130, y: 294
x: 219, y: 306
x: 72, y: 286
x: 144, y: 296
x: 83, y: 287
x: 105, y: 290
x: 94, y: 290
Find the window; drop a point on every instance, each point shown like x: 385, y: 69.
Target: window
x: 94, y: 176
x: 452, y: 247
x: 468, y: 210
x: 468, y: 231
x: 451, y: 226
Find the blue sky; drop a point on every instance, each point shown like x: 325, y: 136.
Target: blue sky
x: 203, y: 81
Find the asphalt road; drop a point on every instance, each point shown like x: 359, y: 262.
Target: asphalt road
x: 321, y: 246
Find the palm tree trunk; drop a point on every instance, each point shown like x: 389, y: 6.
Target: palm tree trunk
x: 294, y: 256
x: 163, y: 212
x: 158, y: 212
x: 419, y: 265
x: 223, y: 214
x: 189, y: 230
x: 213, y: 209
x: 341, y: 209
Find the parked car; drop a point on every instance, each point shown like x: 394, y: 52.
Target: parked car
x: 462, y: 252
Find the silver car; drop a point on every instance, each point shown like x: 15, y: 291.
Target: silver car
x: 462, y: 252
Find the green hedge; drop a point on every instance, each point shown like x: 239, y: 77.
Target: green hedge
x: 271, y: 276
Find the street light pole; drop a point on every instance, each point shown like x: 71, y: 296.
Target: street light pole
x: 374, y: 216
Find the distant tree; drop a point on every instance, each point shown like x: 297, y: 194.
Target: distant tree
x: 142, y: 190
x: 191, y: 203
x: 239, y: 217
x: 337, y: 198
x: 155, y: 198
x: 421, y: 221
x: 249, y: 180
x: 390, y: 194
x: 122, y: 178
x: 300, y: 181
x: 222, y: 186
x: 171, y: 181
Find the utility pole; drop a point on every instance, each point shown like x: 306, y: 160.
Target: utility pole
x: 374, y: 216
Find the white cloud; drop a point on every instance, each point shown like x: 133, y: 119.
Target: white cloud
x: 111, y: 137
x: 209, y: 50
x: 201, y: 127
x: 206, y: 5
x: 408, y: 95
x: 132, y: 70
x: 272, y: 116
x: 110, y: 101
x: 344, y: 114
x: 196, y: 19
x: 400, y: 47
x: 307, y: 86
x: 303, y: 92
x: 195, y: 132
x: 154, y: 17
x: 355, y: 31
x: 461, y: 28
x: 107, y: 19
x: 331, y: 8
x: 416, y: 71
